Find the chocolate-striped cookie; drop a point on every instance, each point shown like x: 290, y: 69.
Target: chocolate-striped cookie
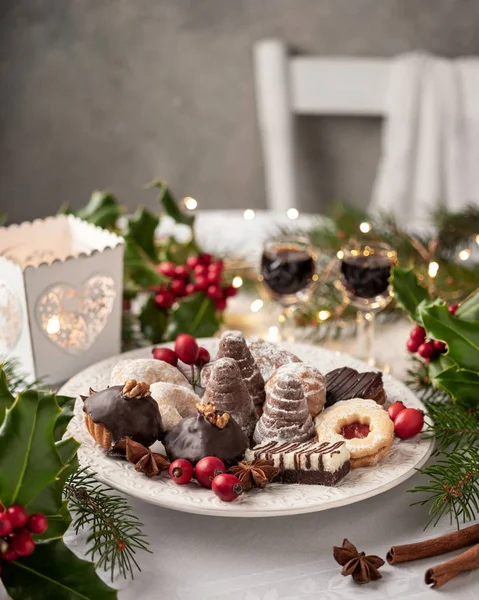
x: 346, y: 383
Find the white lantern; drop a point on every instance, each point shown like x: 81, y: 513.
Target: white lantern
x: 61, y: 283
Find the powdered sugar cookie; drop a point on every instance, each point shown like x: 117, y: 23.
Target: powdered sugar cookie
x: 313, y: 382
x: 149, y: 370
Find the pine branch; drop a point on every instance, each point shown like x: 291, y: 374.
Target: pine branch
x: 17, y: 381
x: 453, y: 486
x: 116, y: 534
x: 453, y: 426
x: 419, y: 381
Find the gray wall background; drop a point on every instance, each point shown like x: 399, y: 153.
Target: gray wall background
x: 112, y: 93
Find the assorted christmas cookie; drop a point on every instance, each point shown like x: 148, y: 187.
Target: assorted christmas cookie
x: 363, y: 425
x: 174, y: 401
x: 227, y: 390
x: 346, y: 383
x: 148, y: 370
x: 312, y: 462
x: 313, y: 382
x: 269, y: 357
x: 122, y: 411
x: 210, y: 432
x: 233, y: 345
x: 286, y: 414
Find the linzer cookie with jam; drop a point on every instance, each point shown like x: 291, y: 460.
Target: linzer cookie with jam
x: 313, y: 462
x: 346, y: 383
x: 122, y: 411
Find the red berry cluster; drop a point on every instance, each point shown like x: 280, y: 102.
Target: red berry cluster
x: 186, y: 349
x: 408, y: 422
x: 209, y: 473
x: 16, y: 529
x: 427, y: 349
x: 200, y: 274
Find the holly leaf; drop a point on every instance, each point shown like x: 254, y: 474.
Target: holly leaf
x: 54, y: 572
x: 461, y: 384
x: 67, y: 405
x: 102, y: 210
x: 469, y: 310
x: 6, y: 398
x: 30, y: 460
x: 407, y: 290
x: 141, y: 228
x: 170, y: 204
x: 195, y: 315
x: 153, y: 321
x: 139, y: 267
x: 462, y: 337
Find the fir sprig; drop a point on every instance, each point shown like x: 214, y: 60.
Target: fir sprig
x: 453, y: 426
x: 16, y: 379
x: 453, y: 486
x: 115, y: 533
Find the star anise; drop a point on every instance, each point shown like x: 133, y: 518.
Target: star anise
x: 362, y: 568
x: 256, y: 474
x: 145, y: 461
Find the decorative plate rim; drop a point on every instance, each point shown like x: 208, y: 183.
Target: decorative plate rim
x: 277, y: 499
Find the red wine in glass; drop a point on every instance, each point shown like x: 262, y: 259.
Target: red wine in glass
x: 287, y: 269
x: 366, y: 277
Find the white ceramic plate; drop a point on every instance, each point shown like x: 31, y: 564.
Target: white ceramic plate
x: 276, y: 499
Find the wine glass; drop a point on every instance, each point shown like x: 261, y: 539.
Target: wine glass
x: 288, y: 273
x: 365, y: 268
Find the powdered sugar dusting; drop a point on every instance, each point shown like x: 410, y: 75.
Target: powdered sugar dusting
x: 269, y: 356
x: 312, y: 380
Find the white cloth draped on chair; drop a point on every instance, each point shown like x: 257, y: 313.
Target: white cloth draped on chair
x: 430, y: 139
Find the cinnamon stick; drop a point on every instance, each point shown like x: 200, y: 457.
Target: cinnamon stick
x: 440, y: 574
x: 434, y: 547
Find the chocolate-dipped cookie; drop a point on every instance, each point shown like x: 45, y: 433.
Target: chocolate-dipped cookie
x: 122, y: 411
x: 346, y: 383
x: 209, y: 433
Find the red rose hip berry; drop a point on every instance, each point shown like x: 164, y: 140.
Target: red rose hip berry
x: 193, y: 262
x: 166, y: 355
x: 165, y: 299
x: 408, y: 423
x: 418, y: 334
x: 395, y: 409
x: 207, y: 469
x: 5, y: 525
x: 37, y: 523
x: 187, y: 348
x: 453, y: 308
x: 413, y: 345
x: 426, y: 350
x: 9, y: 554
x: 227, y: 487
x: 167, y: 269
x: 182, y: 271
x: 18, y: 516
x: 178, y: 287
x: 439, y: 346
x: 22, y: 543
x: 203, y: 357
x: 181, y: 471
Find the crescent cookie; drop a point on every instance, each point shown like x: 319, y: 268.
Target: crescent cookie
x: 149, y: 370
x: 340, y: 422
x: 174, y: 401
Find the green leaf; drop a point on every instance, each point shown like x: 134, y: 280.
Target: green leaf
x: 6, y: 398
x: 407, y: 291
x: 153, y: 321
x: 461, y: 384
x: 67, y: 405
x: 139, y: 268
x: 469, y: 310
x: 53, y: 572
x: 170, y: 205
x: 439, y: 365
x: 462, y: 337
x: 102, y: 210
x: 195, y: 315
x: 141, y: 228
x: 29, y: 460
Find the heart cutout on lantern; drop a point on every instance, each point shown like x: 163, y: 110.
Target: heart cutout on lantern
x: 10, y: 318
x: 73, y: 318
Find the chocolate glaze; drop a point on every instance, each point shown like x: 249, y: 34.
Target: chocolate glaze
x: 195, y: 437
x: 137, y: 418
x: 346, y: 383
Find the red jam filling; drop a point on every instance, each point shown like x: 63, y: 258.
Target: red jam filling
x: 355, y: 430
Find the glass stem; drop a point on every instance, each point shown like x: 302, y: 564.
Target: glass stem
x: 365, y: 337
